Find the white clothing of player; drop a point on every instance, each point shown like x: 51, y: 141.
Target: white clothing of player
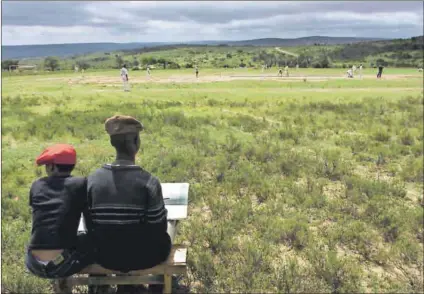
x: 360, y: 71
x: 349, y: 73
x: 124, y: 74
x: 286, y: 70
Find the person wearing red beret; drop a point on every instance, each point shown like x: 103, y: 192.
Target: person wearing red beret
x: 55, y: 249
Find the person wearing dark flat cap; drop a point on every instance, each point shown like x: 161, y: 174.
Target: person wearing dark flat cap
x: 127, y: 210
x: 56, y: 249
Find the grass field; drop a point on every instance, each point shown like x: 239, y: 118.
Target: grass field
x: 296, y: 186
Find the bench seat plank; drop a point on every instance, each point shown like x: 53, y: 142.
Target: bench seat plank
x: 176, y: 264
x: 117, y: 280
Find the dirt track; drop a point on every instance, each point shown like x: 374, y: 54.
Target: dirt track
x: 216, y: 78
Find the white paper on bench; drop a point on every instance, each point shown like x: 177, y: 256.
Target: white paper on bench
x: 176, y: 201
x: 180, y: 255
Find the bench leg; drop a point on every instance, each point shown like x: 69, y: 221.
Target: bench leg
x: 167, y: 279
x: 98, y: 289
x: 60, y: 286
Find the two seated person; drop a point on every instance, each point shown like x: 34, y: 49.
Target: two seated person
x: 122, y: 204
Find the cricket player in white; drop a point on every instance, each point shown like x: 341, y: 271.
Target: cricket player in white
x: 349, y: 73
x: 360, y: 71
x: 353, y: 70
x: 148, y: 71
x: 124, y: 76
x: 286, y: 70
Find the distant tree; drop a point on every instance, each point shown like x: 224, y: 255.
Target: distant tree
x: 145, y: 60
x: 163, y: 62
x: 135, y: 63
x: 51, y: 63
x: 83, y: 64
x: 174, y: 65
x: 229, y: 55
x: 119, y: 61
x: 382, y: 62
x: 5, y: 65
x: 322, y: 62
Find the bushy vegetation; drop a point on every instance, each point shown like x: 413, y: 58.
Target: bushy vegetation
x: 393, y: 53
x: 292, y: 190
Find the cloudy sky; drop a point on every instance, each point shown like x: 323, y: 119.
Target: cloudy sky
x: 44, y: 22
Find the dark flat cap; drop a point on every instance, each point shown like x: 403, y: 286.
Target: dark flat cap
x: 122, y: 124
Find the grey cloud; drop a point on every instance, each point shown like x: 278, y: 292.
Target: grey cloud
x: 48, y: 13
x: 76, y: 13
x: 223, y: 20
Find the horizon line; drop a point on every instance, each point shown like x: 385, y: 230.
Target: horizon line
x: 199, y: 41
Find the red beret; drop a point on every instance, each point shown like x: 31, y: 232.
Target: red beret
x: 58, y: 154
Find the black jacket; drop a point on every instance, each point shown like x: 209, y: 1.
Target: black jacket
x: 128, y: 218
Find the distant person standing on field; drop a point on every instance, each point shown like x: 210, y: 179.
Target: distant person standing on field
x: 360, y: 71
x: 280, y: 72
x: 124, y: 76
x: 286, y: 71
x: 148, y: 71
x: 380, y: 71
x: 197, y: 71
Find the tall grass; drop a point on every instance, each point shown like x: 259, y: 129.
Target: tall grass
x: 291, y: 191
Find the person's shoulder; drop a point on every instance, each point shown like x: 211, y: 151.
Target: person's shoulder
x: 76, y: 181
x: 99, y: 171
x: 39, y: 182
x: 151, y: 180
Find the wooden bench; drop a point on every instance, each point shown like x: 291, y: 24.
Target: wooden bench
x: 176, y: 202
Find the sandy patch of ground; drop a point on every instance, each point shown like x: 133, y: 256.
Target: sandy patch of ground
x: 105, y: 80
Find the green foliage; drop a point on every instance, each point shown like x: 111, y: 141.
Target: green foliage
x: 83, y: 64
x: 5, y: 64
x: 342, y: 275
x: 51, y: 63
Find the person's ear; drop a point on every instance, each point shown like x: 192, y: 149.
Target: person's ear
x: 49, y: 168
x: 137, y: 142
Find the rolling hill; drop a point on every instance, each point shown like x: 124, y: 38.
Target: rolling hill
x: 302, y: 41
x: 61, y: 50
